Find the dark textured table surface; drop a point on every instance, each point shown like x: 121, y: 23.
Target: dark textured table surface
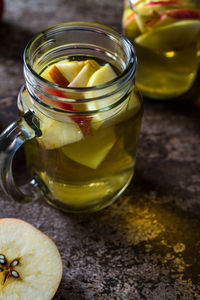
x: 147, y: 244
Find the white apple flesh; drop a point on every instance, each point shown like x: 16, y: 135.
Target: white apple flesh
x: 30, y: 264
x: 70, y: 69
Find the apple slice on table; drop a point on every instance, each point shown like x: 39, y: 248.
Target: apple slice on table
x: 30, y: 264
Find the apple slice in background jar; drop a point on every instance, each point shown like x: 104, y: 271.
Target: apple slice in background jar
x: 166, y: 35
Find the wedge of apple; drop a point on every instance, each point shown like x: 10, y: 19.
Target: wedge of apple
x: 30, y: 264
x: 91, y: 151
x: 182, y: 14
x: 168, y: 17
x: 57, y: 76
x: 101, y: 76
x: 163, y: 2
x: 170, y: 37
x: 130, y: 25
x: 68, y: 69
x: 83, y: 71
x: 147, y: 8
x: 82, y: 78
x: 71, y: 73
x: 55, y: 134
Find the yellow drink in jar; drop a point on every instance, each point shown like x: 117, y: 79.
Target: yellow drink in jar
x: 77, y: 162
x: 166, y: 37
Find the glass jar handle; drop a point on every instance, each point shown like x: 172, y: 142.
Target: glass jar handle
x: 23, y: 129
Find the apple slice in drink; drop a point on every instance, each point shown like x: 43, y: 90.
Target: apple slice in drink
x: 101, y: 76
x: 163, y: 2
x: 86, y: 68
x: 176, y: 36
x: 57, y: 76
x: 70, y: 69
x: 55, y: 134
x: 82, y: 78
x: 130, y: 25
x: 30, y: 264
x: 182, y: 14
x: 148, y: 8
x: 106, y: 74
x: 168, y: 17
x: 91, y: 151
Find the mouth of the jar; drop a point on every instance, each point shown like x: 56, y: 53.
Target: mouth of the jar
x: 60, y: 40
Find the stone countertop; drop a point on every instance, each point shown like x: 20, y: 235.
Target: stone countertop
x: 146, y: 245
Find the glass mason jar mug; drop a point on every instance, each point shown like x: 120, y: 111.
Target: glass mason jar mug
x: 80, y: 139
x: 166, y: 36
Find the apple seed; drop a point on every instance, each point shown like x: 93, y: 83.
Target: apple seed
x: 14, y: 263
x: 15, y: 274
x: 8, y: 268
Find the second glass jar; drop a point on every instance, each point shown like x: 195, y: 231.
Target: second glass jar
x: 166, y: 36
